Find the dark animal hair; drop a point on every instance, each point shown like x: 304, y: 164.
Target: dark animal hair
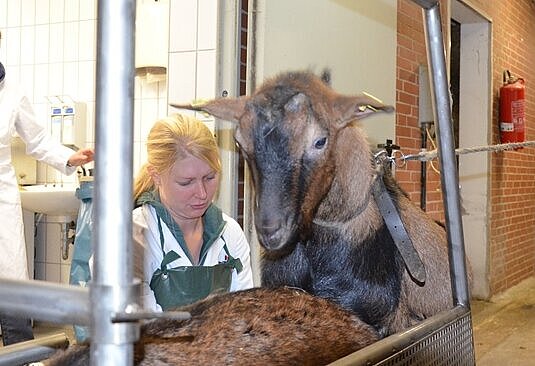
x: 259, y: 326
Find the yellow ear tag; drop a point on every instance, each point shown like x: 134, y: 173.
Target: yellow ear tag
x: 198, y: 103
x: 362, y: 108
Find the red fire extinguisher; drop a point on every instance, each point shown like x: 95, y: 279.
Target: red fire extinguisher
x: 512, y: 109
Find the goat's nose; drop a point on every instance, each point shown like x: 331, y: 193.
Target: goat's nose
x: 270, y: 222
x: 270, y: 232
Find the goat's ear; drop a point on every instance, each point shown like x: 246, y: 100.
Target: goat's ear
x: 359, y: 106
x: 229, y: 109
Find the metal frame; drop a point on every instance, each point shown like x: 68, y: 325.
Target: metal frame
x: 446, y: 152
x: 227, y: 84
x: 113, y: 290
x: 35, y: 350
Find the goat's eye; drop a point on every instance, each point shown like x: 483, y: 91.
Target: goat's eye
x: 320, y: 143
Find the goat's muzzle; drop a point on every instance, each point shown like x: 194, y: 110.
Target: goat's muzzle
x: 274, y: 234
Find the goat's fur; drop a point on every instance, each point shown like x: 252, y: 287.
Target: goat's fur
x: 315, y: 216
x: 259, y: 326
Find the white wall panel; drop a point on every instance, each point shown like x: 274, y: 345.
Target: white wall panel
x: 356, y: 40
x: 183, y: 25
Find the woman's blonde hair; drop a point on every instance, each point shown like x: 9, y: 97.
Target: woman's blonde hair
x: 174, y: 138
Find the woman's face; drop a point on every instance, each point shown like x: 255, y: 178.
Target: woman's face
x: 187, y: 188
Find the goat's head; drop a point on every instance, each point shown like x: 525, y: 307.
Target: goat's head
x: 287, y: 131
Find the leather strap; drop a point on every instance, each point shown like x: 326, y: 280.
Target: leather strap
x: 397, y: 230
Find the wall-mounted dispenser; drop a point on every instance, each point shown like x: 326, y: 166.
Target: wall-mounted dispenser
x: 152, y: 39
x: 68, y: 121
x: 67, y: 125
x: 74, y: 126
x: 55, y: 118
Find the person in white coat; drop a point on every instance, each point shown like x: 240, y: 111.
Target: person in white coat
x: 185, y: 247
x: 17, y: 116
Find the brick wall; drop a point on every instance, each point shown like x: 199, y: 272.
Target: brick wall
x: 512, y: 175
x: 512, y: 221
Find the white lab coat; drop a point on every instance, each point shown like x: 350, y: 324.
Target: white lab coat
x: 148, y: 254
x: 16, y: 115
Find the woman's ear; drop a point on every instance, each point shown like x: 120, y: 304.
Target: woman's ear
x: 155, y: 176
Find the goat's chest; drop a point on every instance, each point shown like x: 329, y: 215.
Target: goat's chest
x: 374, y: 255
x: 353, y: 270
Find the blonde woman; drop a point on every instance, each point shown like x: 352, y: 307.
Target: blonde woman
x: 186, y: 247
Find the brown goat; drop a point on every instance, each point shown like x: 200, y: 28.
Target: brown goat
x: 315, y: 213
x: 259, y: 326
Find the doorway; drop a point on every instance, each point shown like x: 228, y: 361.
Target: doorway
x: 472, y: 95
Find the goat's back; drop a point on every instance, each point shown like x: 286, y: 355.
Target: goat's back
x: 259, y: 326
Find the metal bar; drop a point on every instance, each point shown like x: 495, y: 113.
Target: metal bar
x: 255, y: 35
x: 385, y: 347
x: 112, y: 289
x: 31, y: 351
x: 227, y: 84
x: 146, y: 315
x: 45, y: 301
x: 449, y: 177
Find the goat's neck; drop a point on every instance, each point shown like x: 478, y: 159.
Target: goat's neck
x: 350, y: 194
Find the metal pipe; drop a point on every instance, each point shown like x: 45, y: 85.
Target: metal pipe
x: 31, y: 351
x: 47, y: 301
x: 227, y: 85
x: 255, y: 35
x: 446, y: 153
x: 112, y: 289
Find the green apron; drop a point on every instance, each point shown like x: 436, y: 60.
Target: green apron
x: 183, y: 285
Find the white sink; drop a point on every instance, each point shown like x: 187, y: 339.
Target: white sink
x: 50, y: 199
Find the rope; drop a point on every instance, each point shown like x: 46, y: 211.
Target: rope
x: 430, y: 155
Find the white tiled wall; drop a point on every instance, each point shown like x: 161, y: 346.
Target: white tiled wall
x: 192, y: 52
x: 50, y: 47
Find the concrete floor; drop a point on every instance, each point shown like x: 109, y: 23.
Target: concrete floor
x: 504, y: 327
